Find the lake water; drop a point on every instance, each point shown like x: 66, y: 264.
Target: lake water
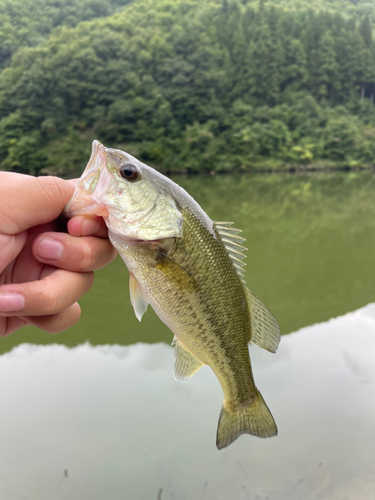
x: 91, y: 423
x: 89, y: 420
x: 311, y: 257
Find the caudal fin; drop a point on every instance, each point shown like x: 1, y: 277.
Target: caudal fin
x: 255, y: 419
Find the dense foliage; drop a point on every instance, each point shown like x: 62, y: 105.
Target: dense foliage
x: 29, y: 23
x: 196, y: 85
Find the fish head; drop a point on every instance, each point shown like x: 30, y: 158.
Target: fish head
x: 129, y: 195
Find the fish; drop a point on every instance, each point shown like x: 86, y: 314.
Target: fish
x: 190, y: 270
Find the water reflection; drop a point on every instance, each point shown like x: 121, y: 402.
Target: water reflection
x: 311, y: 241
x: 111, y: 422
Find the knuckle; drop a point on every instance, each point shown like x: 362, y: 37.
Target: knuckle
x: 50, y: 299
x: 54, y: 324
x: 61, y: 321
x: 89, y: 256
x: 53, y: 187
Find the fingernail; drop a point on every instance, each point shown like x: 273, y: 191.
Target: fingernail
x: 11, y: 302
x: 50, y: 249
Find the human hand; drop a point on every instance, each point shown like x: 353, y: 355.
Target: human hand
x: 43, y: 272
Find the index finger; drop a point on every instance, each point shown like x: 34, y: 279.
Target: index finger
x: 27, y: 201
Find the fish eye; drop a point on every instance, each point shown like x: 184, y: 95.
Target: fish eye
x: 129, y: 172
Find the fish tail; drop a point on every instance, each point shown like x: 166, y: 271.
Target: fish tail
x: 255, y: 419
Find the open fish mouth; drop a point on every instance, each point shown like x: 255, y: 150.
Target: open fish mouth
x: 87, y: 204
x: 84, y: 205
x: 89, y: 188
x: 90, y: 197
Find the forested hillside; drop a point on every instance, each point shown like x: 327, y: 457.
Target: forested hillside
x: 353, y: 8
x: 29, y: 22
x: 195, y: 85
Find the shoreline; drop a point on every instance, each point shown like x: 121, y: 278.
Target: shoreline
x: 255, y: 169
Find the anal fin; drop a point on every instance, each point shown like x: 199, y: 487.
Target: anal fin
x: 186, y: 364
x: 136, y: 297
x: 265, y: 330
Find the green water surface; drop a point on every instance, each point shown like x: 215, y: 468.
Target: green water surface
x: 311, y: 241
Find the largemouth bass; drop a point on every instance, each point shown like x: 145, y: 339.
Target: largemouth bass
x: 190, y: 270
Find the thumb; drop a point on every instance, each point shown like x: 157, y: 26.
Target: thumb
x: 27, y: 201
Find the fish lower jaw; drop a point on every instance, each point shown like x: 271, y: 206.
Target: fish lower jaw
x: 119, y: 239
x: 74, y: 208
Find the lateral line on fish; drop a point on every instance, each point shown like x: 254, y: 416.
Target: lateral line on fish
x: 190, y: 270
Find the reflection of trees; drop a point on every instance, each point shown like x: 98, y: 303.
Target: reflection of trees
x: 310, y: 239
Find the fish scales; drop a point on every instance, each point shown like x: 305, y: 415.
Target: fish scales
x: 216, y: 328
x: 187, y: 268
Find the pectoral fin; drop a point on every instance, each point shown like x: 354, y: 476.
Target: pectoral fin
x: 175, y: 273
x: 186, y: 364
x: 265, y: 330
x: 136, y: 297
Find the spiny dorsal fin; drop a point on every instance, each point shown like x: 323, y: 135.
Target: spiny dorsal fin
x: 136, y: 297
x: 233, y: 245
x: 265, y: 330
x: 186, y: 364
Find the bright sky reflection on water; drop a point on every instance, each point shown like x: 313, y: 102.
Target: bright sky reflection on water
x: 111, y: 422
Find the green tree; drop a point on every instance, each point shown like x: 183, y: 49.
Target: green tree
x: 187, y: 85
x: 365, y: 30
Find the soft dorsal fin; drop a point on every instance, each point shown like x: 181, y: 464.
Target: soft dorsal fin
x: 265, y: 330
x: 233, y: 245
x: 186, y: 364
x: 136, y: 297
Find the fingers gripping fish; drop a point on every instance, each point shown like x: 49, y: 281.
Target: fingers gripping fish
x: 190, y: 270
